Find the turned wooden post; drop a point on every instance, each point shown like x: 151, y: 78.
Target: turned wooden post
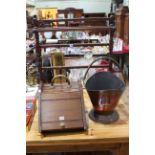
x: 122, y: 23
x: 126, y: 28
x: 111, y: 45
x: 38, y: 56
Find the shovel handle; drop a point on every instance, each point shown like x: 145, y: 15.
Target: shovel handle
x: 100, y: 58
x: 60, y: 76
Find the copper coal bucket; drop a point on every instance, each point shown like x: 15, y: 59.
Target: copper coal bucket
x: 105, y: 90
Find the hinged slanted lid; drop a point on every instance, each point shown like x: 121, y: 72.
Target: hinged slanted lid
x: 62, y: 108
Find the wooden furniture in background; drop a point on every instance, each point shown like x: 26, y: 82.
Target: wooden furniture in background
x: 92, y: 29
x: 87, y: 15
x: 30, y: 23
x: 96, y: 23
x: 126, y: 28
x: 89, y: 21
x: 77, y: 13
x: 69, y: 13
x: 122, y: 23
x: 82, y: 28
x: 106, y: 29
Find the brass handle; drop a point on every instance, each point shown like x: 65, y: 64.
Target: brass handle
x: 60, y: 76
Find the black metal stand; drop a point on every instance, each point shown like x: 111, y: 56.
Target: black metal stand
x: 105, y: 118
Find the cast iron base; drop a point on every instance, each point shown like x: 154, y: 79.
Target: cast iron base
x: 105, y: 118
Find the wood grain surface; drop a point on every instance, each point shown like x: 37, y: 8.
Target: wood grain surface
x: 57, y: 103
